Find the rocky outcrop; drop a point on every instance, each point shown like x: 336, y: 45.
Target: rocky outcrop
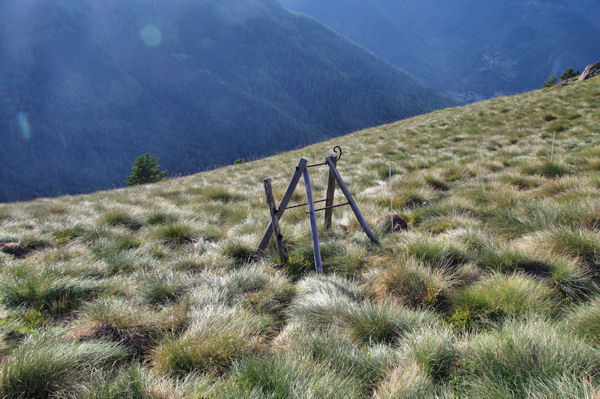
x: 590, y: 71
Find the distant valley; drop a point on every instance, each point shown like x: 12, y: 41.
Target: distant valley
x: 468, y: 48
x: 87, y: 85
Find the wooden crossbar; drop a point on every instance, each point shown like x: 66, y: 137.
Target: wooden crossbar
x: 306, y: 203
x: 330, y: 207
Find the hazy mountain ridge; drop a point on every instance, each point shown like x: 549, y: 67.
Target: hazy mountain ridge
x: 88, y: 85
x: 469, y: 48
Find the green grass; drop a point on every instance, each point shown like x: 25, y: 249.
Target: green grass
x: 153, y: 291
x: 47, y: 291
x: 516, y: 358
x: 45, y: 366
x: 175, y: 234
x: 500, y: 296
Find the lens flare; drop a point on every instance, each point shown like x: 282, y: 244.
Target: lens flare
x: 24, y: 125
x: 151, y: 35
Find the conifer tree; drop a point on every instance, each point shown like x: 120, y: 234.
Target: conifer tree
x: 145, y: 170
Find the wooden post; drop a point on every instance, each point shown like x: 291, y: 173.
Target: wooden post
x: 357, y: 213
x: 274, y: 220
x: 283, y: 204
x: 329, y: 198
x: 313, y: 223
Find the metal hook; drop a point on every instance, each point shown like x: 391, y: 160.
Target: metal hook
x: 337, y: 149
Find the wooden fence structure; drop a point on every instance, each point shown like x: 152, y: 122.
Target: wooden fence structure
x: 277, y: 212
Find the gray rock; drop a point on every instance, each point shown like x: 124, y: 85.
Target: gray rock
x: 590, y: 71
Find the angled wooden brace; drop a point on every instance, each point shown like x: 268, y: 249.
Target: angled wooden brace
x: 283, y: 204
x: 363, y: 223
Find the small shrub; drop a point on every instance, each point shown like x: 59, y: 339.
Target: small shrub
x: 551, y: 81
x: 569, y: 73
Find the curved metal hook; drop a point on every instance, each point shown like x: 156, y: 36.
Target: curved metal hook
x: 337, y: 149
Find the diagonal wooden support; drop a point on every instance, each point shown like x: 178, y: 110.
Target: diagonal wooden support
x: 274, y: 220
x: 313, y: 223
x: 283, y: 204
x: 363, y: 223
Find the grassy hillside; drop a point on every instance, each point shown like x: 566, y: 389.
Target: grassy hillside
x: 88, y: 85
x: 147, y: 292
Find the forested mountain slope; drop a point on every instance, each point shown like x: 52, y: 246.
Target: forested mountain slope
x: 88, y: 85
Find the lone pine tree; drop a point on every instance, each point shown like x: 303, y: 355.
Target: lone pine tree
x: 145, y: 170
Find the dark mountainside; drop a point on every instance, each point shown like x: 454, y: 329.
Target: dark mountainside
x: 85, y: 86
x: 469, y: 48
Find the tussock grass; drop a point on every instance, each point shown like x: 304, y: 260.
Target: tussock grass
x: 523, y: 359
x: 135, y: 327
x: 284, y: 377
x: 584, y: 320
x: 384, y: 322
x: 163, y: 288
x: 581, y: 243
x: 48, y: 291
x: 139, y: 382
x: 216, y: 338
x: 434, y: 350
x: 410, y: 282
x: 121, y: 217
x: 436, y: 251
x: 175, y: 234
x: 45, y: 366
x: 500, y: 296
x: 334, y: 346
x: 257, y: 288
x: 160, y: 217
x: 408, y: 381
